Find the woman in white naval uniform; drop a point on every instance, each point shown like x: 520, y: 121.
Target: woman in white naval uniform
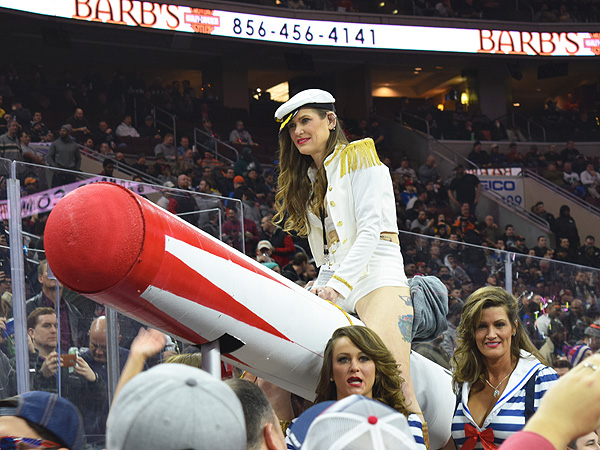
x: 497, y: 371
x: 340, y: 195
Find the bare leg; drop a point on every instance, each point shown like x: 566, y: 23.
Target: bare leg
x: 389, y: 312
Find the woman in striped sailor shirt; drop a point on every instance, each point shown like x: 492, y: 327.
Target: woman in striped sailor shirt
x: 493, y: 365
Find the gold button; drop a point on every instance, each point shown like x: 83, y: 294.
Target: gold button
x: 340, y: 223
x: 332, y: 251
x: 331, y: 188
x: 332, y: 203
x: 344, y: 241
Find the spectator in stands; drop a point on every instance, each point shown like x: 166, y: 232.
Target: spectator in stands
x: 240, y: 136
x: 257, y: 184
x: 554, y: 336
x: 552, y: 174
x: 541, y: 247
x: 569, y: 153
x: 140, y: 164
x: 225, y: 183
x: 104, y: 134
x: 551, y: 312
x: 565, y: 227
x: 534, y: 158
x: 570, y: 177
x: 80, y: 127
x: 552, y: 156
x: 184, y: 145
x: 167, y: 148
x: 422, y: 223
x: 283, y: 246
x: 64, y: 154
x: 589, y: 254
x: 263, y: 430
x: 428, y: 171
x: 71, y: 320
x: 564, y: 252
x: 183, y: 202
x: 514, y: 158
x: 295, y: 270
x: 466, y: 221
x: 96, y: 412
x: 208, y: 414
x: 108, y: 168
x: 488, y: 230
x: 464, y: 188
x: 126, y: 129
x: 573, y: 321
x: 232, y: 229
x: 405, y: 168
x: 81, y: 385
x: 497, y: 159
x: 509, y: 236
x: 590, y: 179
x: 148, y: 129
x: 209, y: 160
x: 498, y: 132
x: 478, y: 156
x: 20, y: 114
x: 10, y: 145
x: 377, y: 132
x: 40, y: 419
x: 245, y: 162
x: 519, y: 246
x: 539, y: 210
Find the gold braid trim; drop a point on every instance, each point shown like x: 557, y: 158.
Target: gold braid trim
x: 357, y: 155
x: 342, y: 310
x: 341, y: 280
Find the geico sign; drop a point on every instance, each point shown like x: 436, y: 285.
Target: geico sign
x: 499, y: 185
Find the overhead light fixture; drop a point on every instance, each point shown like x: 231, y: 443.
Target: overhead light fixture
x: 464, y: 98
x: 395, y: 11
x: 418, y: 68
x: 440, y: 106
x: 416, y: 72
x: 382, y: 4
x: 516, y: 104
x: 439, y: 67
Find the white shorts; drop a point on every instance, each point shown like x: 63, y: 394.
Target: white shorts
x: 385, y: 268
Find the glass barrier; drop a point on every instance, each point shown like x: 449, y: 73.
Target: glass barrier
x: 94, y: 351
x: 81, y: 338
x: 548, y: 290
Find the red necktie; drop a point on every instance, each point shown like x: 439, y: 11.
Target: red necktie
x: 473, y: 435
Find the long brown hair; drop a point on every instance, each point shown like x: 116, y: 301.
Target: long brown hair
x: 295, y: 193
x: 468, y: 363
x: 388, y: 381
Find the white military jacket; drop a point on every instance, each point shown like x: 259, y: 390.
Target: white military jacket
x: 360, y: 200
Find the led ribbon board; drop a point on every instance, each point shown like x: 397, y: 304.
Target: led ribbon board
x: 288, y: 30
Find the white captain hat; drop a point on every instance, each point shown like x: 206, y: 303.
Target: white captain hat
x: 315, y: 98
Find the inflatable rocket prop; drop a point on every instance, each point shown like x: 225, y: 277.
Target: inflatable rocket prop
x: 121, y: 250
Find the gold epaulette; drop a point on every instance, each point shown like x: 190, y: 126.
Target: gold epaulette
x: 356, y: 155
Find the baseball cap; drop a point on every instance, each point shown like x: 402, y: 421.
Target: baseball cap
x: 357, y: 423
x: 176, y: 406
x: 296, y: 432
x: 238, y: 179
x: 30, y: 180
x: 67, y: 127
x: 593, y: 330
x: 55, y: 414
x: 264, y: 244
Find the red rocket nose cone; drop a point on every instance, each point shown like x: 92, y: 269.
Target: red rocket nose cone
x: 94, y: 236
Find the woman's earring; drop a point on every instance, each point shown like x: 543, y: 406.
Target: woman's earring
x: 331, y: 379
x: 515, y: 333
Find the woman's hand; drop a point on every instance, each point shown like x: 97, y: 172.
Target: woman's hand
x: 326, y: 293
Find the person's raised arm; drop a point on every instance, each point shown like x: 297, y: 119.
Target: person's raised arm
x: 146, y: 344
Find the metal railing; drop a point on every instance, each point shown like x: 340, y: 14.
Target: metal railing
x: 529, y: 123
x: 416, y: 119
x: 218, y: 146
x: 166, y: 119
x: 124, y: 168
